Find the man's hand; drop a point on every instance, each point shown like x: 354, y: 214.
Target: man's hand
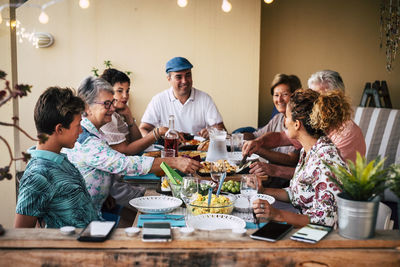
x: 203, y: 133
x: 250, y: 147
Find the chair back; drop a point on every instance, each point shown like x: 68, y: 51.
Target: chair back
x: 383, y: 218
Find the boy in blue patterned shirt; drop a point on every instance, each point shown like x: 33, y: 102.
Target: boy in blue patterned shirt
x: 52, y: 191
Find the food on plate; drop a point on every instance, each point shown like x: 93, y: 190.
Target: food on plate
x: 154, y: 154
x: 203, y: 146
x: 206, y: 167
x: 231, y: 186
x: 192, y: 142
x: 165, y: 184
x: 191, y: 154
x: 221, y: 204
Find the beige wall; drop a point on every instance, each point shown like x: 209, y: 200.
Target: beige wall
x: 141, y: 36
x: 7, y: 187
x: 302, y: 37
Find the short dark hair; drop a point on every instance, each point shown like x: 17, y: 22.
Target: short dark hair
x: 114, y: 76
x: 292, y: 81
x: 56, y: 105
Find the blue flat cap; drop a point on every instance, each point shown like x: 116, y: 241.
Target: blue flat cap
x: 178, y: 64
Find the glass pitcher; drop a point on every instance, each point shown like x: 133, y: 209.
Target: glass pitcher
x: 217, y: 148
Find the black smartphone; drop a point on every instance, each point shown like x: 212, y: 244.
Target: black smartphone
x: 311, y: 233
x: 97, y: 231
x: 272, y: 231
x: 156, y: 232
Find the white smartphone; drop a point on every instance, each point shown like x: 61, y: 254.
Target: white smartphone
x: 156, y: 232
x: 96, y: 231
x: 272, y: 231
x: 311, y: 233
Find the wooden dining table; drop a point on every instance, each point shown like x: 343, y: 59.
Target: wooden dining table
x: 48, y: 247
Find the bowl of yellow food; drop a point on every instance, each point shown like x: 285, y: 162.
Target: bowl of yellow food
x: 223, y: 204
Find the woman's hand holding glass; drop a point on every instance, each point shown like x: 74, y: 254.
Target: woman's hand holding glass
x: 249, y: 188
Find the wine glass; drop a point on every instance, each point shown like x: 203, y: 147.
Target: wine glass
x: 249, y: 188
x: 189, y: 188
x: 217, y: 171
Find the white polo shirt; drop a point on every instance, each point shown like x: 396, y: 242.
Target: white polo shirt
x: 198, y: 112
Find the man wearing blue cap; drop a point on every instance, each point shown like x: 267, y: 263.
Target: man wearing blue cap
x: 193, y: 109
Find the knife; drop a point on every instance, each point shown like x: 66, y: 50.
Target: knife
x: 162, y: 217
x: 243, y: 161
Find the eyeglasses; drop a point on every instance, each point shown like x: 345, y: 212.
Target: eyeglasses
x: 107, y: 104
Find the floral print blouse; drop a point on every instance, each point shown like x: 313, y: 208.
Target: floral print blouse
x: 99, y: 163
x: 310, y: 189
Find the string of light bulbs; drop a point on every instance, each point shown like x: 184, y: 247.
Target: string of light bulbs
x: 21, y: 32
x: 226, y: 5
x: 43, y: 17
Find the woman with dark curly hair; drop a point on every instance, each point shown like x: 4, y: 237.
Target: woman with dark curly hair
x: 309, y: 116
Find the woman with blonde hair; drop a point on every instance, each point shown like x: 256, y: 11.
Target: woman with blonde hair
x: 309, y: 115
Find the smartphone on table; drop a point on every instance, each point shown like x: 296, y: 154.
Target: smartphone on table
x: 311, y: 233
x: 156, y: 232
x: 97, y: 231
x: 272, y: 231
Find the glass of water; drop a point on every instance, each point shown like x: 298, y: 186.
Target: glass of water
x: 249, y: 187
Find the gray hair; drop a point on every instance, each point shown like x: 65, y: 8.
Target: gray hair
x: 328, y: 79
x: 90, y: 88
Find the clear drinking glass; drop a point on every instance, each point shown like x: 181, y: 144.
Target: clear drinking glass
x: 237, y: 142
x: 167, y: 153
x: 249, y: 187
x: 189, y: 188
x: 218, y: 170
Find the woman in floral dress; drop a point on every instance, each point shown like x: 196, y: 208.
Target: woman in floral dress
x: 308, y: 116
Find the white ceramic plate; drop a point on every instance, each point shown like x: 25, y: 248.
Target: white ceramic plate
x: 242, y: 203
x: 237, y: 156
x: 155, y: 204
x: 216, y: 222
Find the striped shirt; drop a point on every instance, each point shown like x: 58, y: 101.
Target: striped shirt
x: 53, y: 190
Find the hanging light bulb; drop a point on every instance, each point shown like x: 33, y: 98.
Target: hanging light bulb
x: 226, y: 6
x: 84, y: 3
x: 182, y: 3
x: 13, y: 24
x: 43, y: 18
x: 268, y: 1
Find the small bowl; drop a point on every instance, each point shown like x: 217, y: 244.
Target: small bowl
x: 132, y: 231
x: 67, y: 230
x: 239, y: 231
x: 186, y: 230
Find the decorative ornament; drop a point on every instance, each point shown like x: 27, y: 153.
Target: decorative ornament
x: 389, y: 30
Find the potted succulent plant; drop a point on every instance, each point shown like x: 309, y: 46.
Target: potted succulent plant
x: 394, y: 175
x: 361, y: 185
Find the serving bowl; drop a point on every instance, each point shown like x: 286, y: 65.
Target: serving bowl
x: 224, y: 204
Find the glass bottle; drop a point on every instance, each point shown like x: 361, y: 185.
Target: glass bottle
x: 171, y: 137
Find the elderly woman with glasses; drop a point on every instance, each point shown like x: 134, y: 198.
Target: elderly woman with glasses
x: 95, y: 159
